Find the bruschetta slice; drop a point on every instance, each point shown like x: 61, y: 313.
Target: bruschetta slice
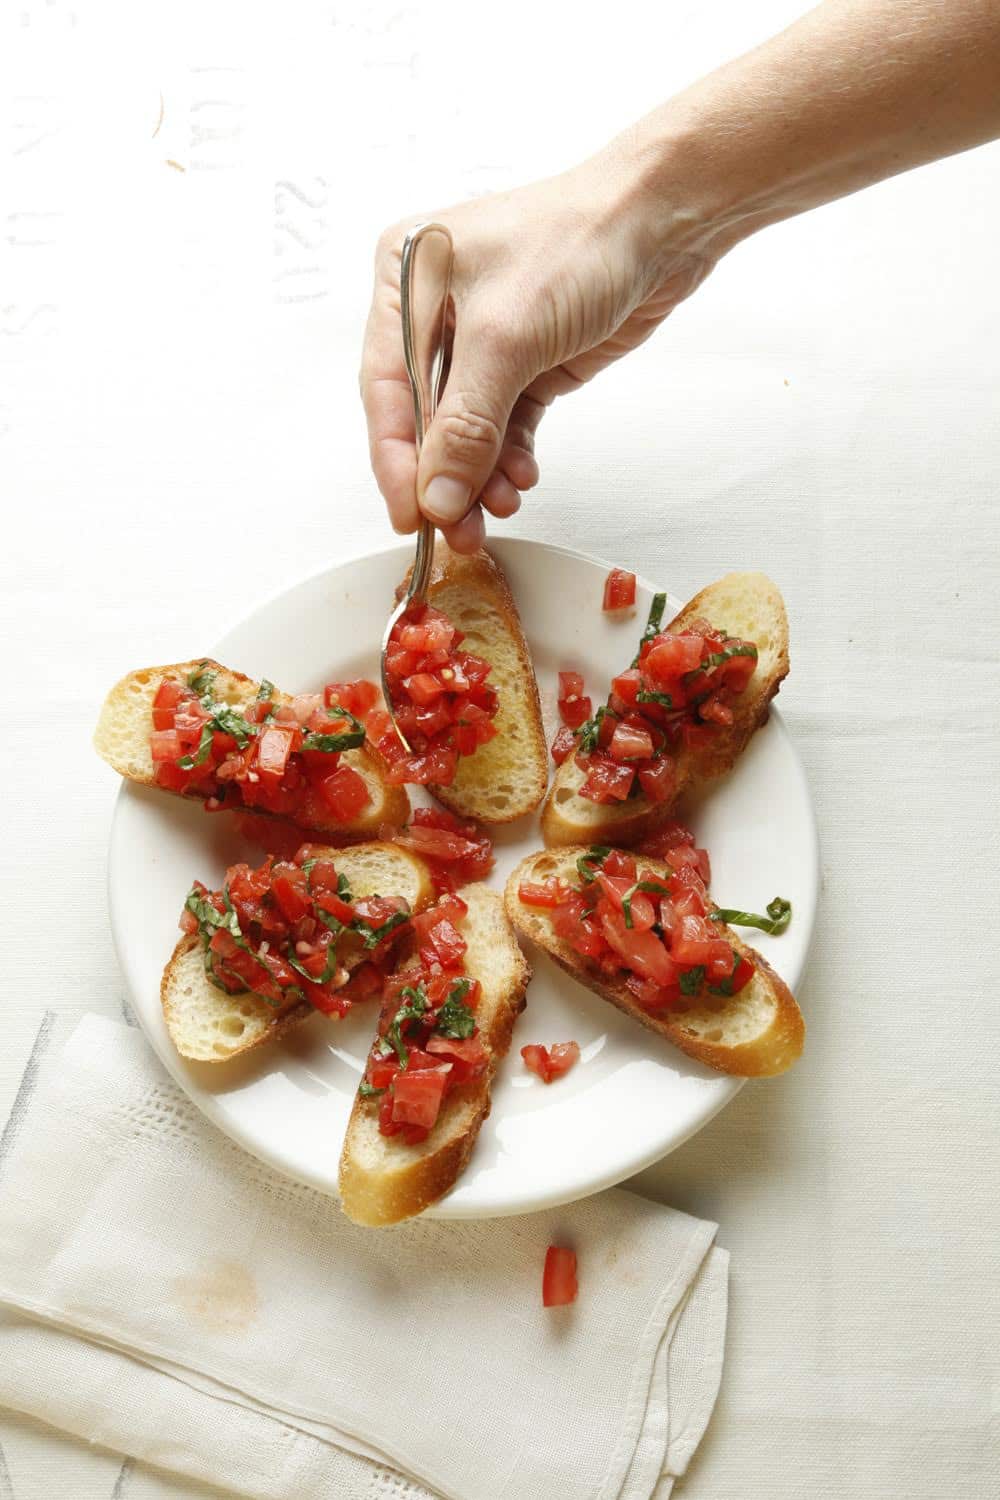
x: 202, y: 731
x: 208, y: 1024
x: 696, y: 732
x: 426, y: 1087
x: 744, y: 1021
x: 506, y: 776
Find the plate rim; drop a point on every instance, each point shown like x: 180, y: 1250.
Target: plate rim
x: 208, y: 1103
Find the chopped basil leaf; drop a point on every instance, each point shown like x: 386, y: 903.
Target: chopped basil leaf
x: 309, y: 865
x: 345, y: 739
x: 779, y: 914
x: 344, y: 888
x: 330, y: 921
x: 588, y: 864
x: 349, y: 740
x: 374, y: 935
x: 455, y: 1018
x: 416, y: 1006
x: 230, y: 722
x: 663, y: 699
x: 201, y: 679
x: 653, y: 623
x: 716, y: 658
x: 188, y: 762
x: 368, y: 1090
x: 209, y: 920
x: 266, y: 691
x: 691, y: 980
x: 589, y: 731
x: 660, y: 887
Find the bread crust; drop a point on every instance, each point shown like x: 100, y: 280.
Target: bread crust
x: 770, y: 1052
x: 480, y: 577
x: 122, y: 739
x: 626, y: 823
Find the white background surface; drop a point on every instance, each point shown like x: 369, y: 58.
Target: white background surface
x: 180, y: 433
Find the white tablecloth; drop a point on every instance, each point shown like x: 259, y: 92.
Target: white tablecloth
x: 180, y: 322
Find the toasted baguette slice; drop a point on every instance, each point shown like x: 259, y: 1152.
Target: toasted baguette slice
x: 207, y: 1025
x: 506, y: 777
x: 744, y: 604
x: 753, y: 1034
x: 383, y: 1180
x: 123, y: 730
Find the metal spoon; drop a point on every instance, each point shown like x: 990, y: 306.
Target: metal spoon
x: 424, y: 286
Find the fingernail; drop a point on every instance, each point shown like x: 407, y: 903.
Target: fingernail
x: 446, y: 499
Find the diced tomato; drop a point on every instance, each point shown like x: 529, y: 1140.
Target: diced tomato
x: 559, y: 1278
x: 165, y: 744
x: 630, y: 743
x: 665, y: 838
x: 626, y: 686
x: 290, y: 893
x: 672, y: 656
x: 417, y: 1095
x: 345, y: 793
x: 423, y: 687
x: 658, y: 779
x: 619, y: 862
x: 169, y: 694
x: 551, y: 1062
x: 436, y: 843
x: 545, y: 893
x: 575, y: 710
x: 606, y: 781
x: 449, y: 943
x: 643, y: 952
x: 619, y: 590
x: 274, y: 746
x: 653, y: 997
x: 696, y: 941
x: 467, y: 1055
x: 357, y: 697
x: 563, y: 744
x: 570, y: 684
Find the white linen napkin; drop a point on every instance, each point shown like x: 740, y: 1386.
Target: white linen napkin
x: 165, y: 1295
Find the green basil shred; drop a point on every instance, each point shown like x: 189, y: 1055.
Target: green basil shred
x: 779, y: 914
x: 659, y: 887
x: 691, y: 980
x: 653, y: 623
x: 588, y: 864
x: 455, y: 1018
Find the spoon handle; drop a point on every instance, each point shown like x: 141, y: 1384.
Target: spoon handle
x: 424, y: 288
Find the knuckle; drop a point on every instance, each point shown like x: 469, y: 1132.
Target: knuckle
x: 469, y: 432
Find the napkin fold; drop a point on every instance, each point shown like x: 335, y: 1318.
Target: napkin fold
x: 165, y: 1295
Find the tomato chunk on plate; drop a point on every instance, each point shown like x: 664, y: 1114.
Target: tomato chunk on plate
x: 559, y: 1283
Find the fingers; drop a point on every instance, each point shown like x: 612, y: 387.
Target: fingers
x: 500, y: 497
x: 463, y: 443
x: 385, y: 392
x: 468, y: 534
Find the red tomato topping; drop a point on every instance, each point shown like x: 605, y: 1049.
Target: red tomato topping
x: 551, y: 1062
x: 281, y: 758
x: 681, y: 691
x: 559, y: 1284
x: 269, y: 930
x: 428, y: 1042
x: 619, y: 590
x: 457, y: 852
x: 654, y: 929
x: 439, y: 696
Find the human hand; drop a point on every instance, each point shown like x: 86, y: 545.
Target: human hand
x: 552, y: 283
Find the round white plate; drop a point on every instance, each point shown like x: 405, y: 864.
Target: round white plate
x: 632, y: 1097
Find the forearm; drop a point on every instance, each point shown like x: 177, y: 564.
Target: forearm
x: 854, y: 92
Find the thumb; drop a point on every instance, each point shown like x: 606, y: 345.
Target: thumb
x: 462, y: 444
